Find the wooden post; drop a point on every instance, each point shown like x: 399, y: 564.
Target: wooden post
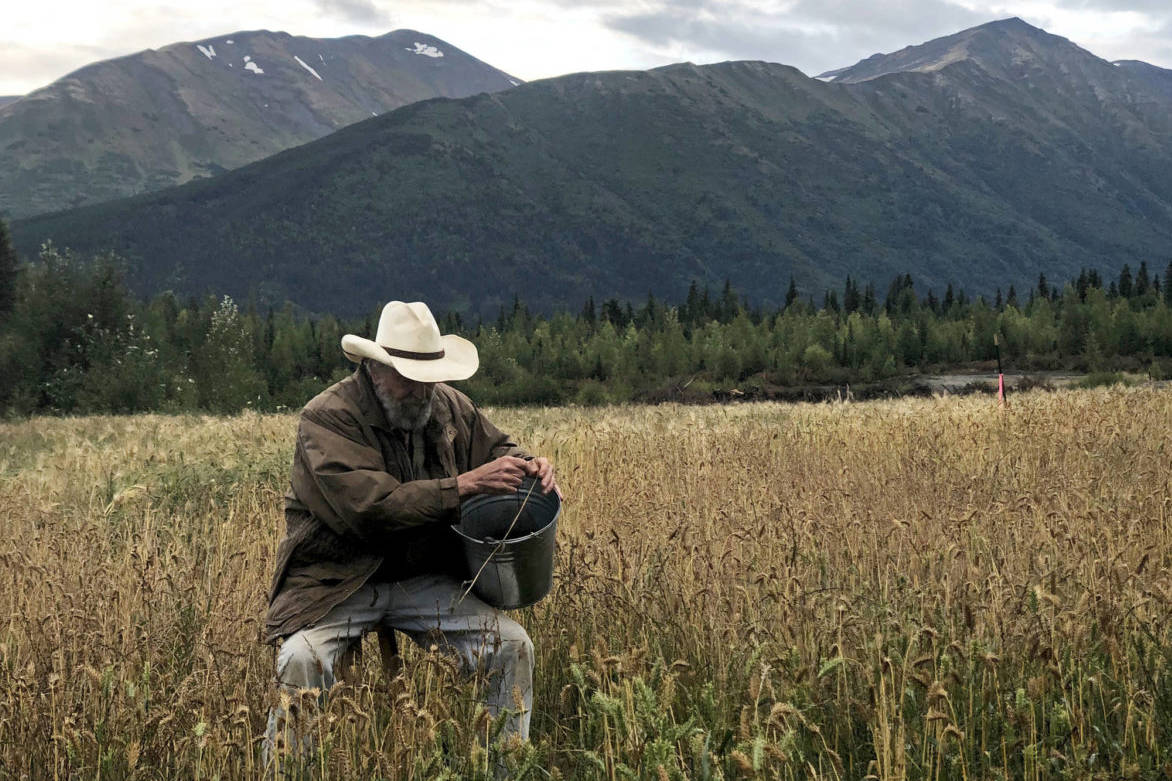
x: 1000, y: 374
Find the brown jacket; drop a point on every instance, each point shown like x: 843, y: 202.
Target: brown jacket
x: 360, y: 500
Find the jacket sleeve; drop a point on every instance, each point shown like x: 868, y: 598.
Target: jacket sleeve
x: 344, y: 482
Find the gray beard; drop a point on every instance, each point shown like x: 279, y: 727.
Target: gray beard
x: 409, y: 415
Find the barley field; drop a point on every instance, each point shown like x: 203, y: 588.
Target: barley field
x: 920, y: 589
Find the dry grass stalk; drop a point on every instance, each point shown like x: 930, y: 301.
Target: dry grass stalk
x: 911, y: 589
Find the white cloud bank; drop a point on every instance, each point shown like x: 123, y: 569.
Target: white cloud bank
x: 538, y: 38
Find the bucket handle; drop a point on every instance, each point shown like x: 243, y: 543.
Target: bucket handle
x: 499, y: 545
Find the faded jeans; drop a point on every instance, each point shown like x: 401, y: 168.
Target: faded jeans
x: 428, y: 609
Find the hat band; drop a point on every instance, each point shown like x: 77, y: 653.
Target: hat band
x: 414, y: 356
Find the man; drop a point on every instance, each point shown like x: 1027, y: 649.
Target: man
x: 382, y: 460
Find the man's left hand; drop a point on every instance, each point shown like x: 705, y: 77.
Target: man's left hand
x: 543, y: 471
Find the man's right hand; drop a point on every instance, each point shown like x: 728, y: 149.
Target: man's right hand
x: 502, y: 476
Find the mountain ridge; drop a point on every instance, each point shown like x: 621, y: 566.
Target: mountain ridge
x: 972, y: 43
x: 1157, y: 78
x: 164, y: 116
x: 627, y: 182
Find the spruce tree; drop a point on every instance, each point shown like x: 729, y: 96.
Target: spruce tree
x: 7, y: 272
x: 791, y: 295
x: 830, y: 301
x: 589, y: 315
x: 1168, y: 284
x: 1126, y: 288
x: 612, y: 311
x: 729, y: 306
x: 649, y: 316
x: 850, y: 296
x: 891, y: 304
x: 933, y: 303
x: 704, y: 311
x: 691, y: 310
x: 892, y: 294
x: 869, y: 301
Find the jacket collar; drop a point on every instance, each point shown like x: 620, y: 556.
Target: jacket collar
x: 368, y: 406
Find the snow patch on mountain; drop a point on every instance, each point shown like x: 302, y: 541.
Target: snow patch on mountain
x: 249, y: 65
x: 301, y: 62
x: 208, y: 51
x: 426, y: 50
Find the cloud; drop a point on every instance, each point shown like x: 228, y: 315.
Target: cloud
x: 1111, y: 29
x: 820, y: 35
x: 813, y: 35
x: 904, y: 18
x: 24, y: 68
x: 1142, y: 6
x: 355, y: 11
x: 538, y: 38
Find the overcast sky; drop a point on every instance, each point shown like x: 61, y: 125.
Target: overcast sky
x: 533, y: 39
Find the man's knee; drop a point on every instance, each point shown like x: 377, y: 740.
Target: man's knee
x: 514, y: 642
x: 304, y: 663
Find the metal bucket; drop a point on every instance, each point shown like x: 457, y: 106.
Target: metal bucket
x: 516, y: 571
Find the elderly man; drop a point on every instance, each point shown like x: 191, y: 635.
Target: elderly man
x: 383, y: 459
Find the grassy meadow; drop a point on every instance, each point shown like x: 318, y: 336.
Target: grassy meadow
x: 919, y: 589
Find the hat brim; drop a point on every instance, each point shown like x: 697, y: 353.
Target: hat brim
x: 460, y: 359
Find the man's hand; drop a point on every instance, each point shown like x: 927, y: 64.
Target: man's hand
x: 543, y: 471
x: 502, y: 476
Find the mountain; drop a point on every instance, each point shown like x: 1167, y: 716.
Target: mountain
x: 996, y: 46
x: 1023, y: 154
x: 1157, y: 79
x: 160, y: 118
x: 6, y: 99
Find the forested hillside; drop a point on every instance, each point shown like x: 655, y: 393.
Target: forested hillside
x: 75, y: 340
x: 1013, y: 153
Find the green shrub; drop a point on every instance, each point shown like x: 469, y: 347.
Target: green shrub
x: 1102, y: 379
x: 591, y: 393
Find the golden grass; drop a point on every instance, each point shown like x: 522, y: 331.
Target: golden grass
x: 910, y: 589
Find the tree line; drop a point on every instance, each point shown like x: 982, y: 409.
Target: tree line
x: 74, y: 340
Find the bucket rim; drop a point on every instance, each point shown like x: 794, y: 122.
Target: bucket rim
x: 512, y: 540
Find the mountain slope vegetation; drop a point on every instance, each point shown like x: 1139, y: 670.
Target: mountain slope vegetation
x: 1016, y: 154
x: 159, y: 118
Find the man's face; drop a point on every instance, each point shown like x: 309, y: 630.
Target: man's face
x: 390, y: 383
x: 406, y: 402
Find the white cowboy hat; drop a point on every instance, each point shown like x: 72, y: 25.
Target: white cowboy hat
x: 409, y: 340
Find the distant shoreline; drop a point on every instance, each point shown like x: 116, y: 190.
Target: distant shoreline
x: 957, y: 383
